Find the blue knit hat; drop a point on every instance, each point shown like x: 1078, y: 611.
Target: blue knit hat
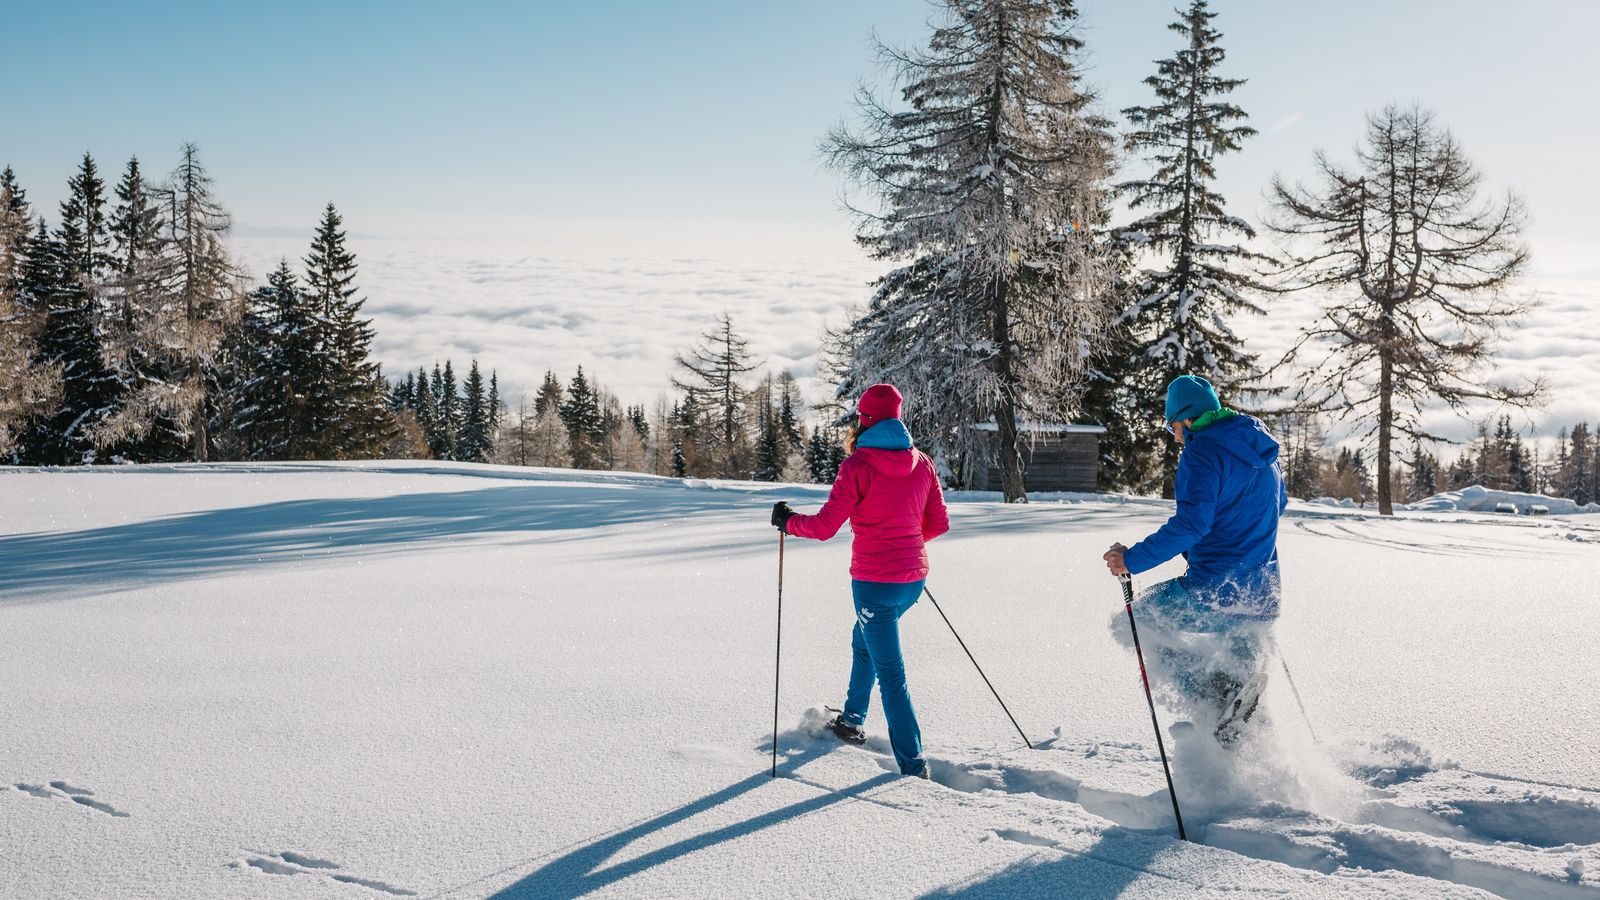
x: 1190, y: 397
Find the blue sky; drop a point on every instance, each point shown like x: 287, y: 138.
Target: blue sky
x: 690, y: 128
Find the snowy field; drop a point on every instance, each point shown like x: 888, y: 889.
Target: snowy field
x: 439, y: 680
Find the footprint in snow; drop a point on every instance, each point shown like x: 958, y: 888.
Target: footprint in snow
x: 60, y: 790
x: 288, y: 862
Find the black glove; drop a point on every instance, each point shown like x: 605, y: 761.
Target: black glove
x: 780, y: 516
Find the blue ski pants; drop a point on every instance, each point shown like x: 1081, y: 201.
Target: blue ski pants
x: 875, y: 643
x: 1172, y: 607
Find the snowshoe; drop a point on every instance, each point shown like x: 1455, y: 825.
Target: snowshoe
x: 1238, y: 705
x: 850, y: 734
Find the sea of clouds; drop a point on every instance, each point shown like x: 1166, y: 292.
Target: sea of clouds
x: 521, y: 312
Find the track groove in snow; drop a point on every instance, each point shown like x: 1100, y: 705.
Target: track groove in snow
x: 60, y: 790
x: 291, y: 863
x: 1427, y: 824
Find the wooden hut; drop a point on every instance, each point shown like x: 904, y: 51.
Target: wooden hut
x: 1054, y: 457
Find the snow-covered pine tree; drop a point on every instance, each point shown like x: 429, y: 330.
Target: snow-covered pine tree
x: 586, y: 430
x: 473, y: 443
x: 202, y: 285
x: 712, y: 374
x: 68, y: 343
x: 351, y: 404
x: 1176, y: 318
x: 30, y: 387
x: 1417, y: 271
x: 139, y: 326
x: 985, y: 181
x: 496, y: 409
x: 549, y: 444
x: 16, y: 227
x: 279, y: 357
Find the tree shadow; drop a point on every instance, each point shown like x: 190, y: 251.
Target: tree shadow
x: 46, y: 565
x: 583, y: 870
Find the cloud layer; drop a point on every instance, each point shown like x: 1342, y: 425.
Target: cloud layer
x: 624, y: 319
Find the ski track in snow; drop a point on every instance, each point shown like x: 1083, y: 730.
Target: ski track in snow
x: 1464, y: 828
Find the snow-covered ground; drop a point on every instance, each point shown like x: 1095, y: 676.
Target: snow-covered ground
x: 412, y: 679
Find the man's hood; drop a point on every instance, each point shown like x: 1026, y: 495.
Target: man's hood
x: 886, y: 446
x: 1243, y: 437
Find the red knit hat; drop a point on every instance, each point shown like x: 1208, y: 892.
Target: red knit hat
x: 879, y: 402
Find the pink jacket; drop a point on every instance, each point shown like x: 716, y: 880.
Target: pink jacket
x: 893, y: 500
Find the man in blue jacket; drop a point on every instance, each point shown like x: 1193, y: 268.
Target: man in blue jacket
x: 1230, y: 493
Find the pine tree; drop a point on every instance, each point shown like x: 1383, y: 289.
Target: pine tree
x: 404, y: 394
x: 353, y: 416
x: 1580, y: 466
x: 1416, y: 268
x: 1302, y: 442
x: 16, y: 226
x: 30, y: 387
x: 586, y: 427
x: 986, y: 183
x: 1176, y: 317
x: 794, y: 438
x: 427, y: 409
x: 550, y: 394
x: 473, y: 444
x: 138, y: 325
x: 712, y: 374
x: 202, y: 285
x: 85, y: 242
x: 770, y: 440
x: 822, y: 452
x: 496, y: 409
x: 444, y: 418
x: 1424, y: 480
x: 69, y: 344
x: 274, y: 409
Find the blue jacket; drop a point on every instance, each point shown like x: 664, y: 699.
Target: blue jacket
x: 1230, y: 494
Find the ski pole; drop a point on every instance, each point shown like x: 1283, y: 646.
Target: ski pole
x: 777, y: 659
x: 978, y: 667
x: 1299, y: 702
x: 1127, y: 601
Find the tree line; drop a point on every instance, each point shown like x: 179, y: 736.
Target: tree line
x: 719, y: 422
x: 990, y: 182
x: 128, y: 333
x: 1499, y: 459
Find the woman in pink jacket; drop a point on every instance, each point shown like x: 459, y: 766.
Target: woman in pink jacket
x: 890, y: 493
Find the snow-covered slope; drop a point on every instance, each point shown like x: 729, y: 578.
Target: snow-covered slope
x: 412, y: 679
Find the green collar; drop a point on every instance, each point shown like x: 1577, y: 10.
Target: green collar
x: 1211, y: 418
